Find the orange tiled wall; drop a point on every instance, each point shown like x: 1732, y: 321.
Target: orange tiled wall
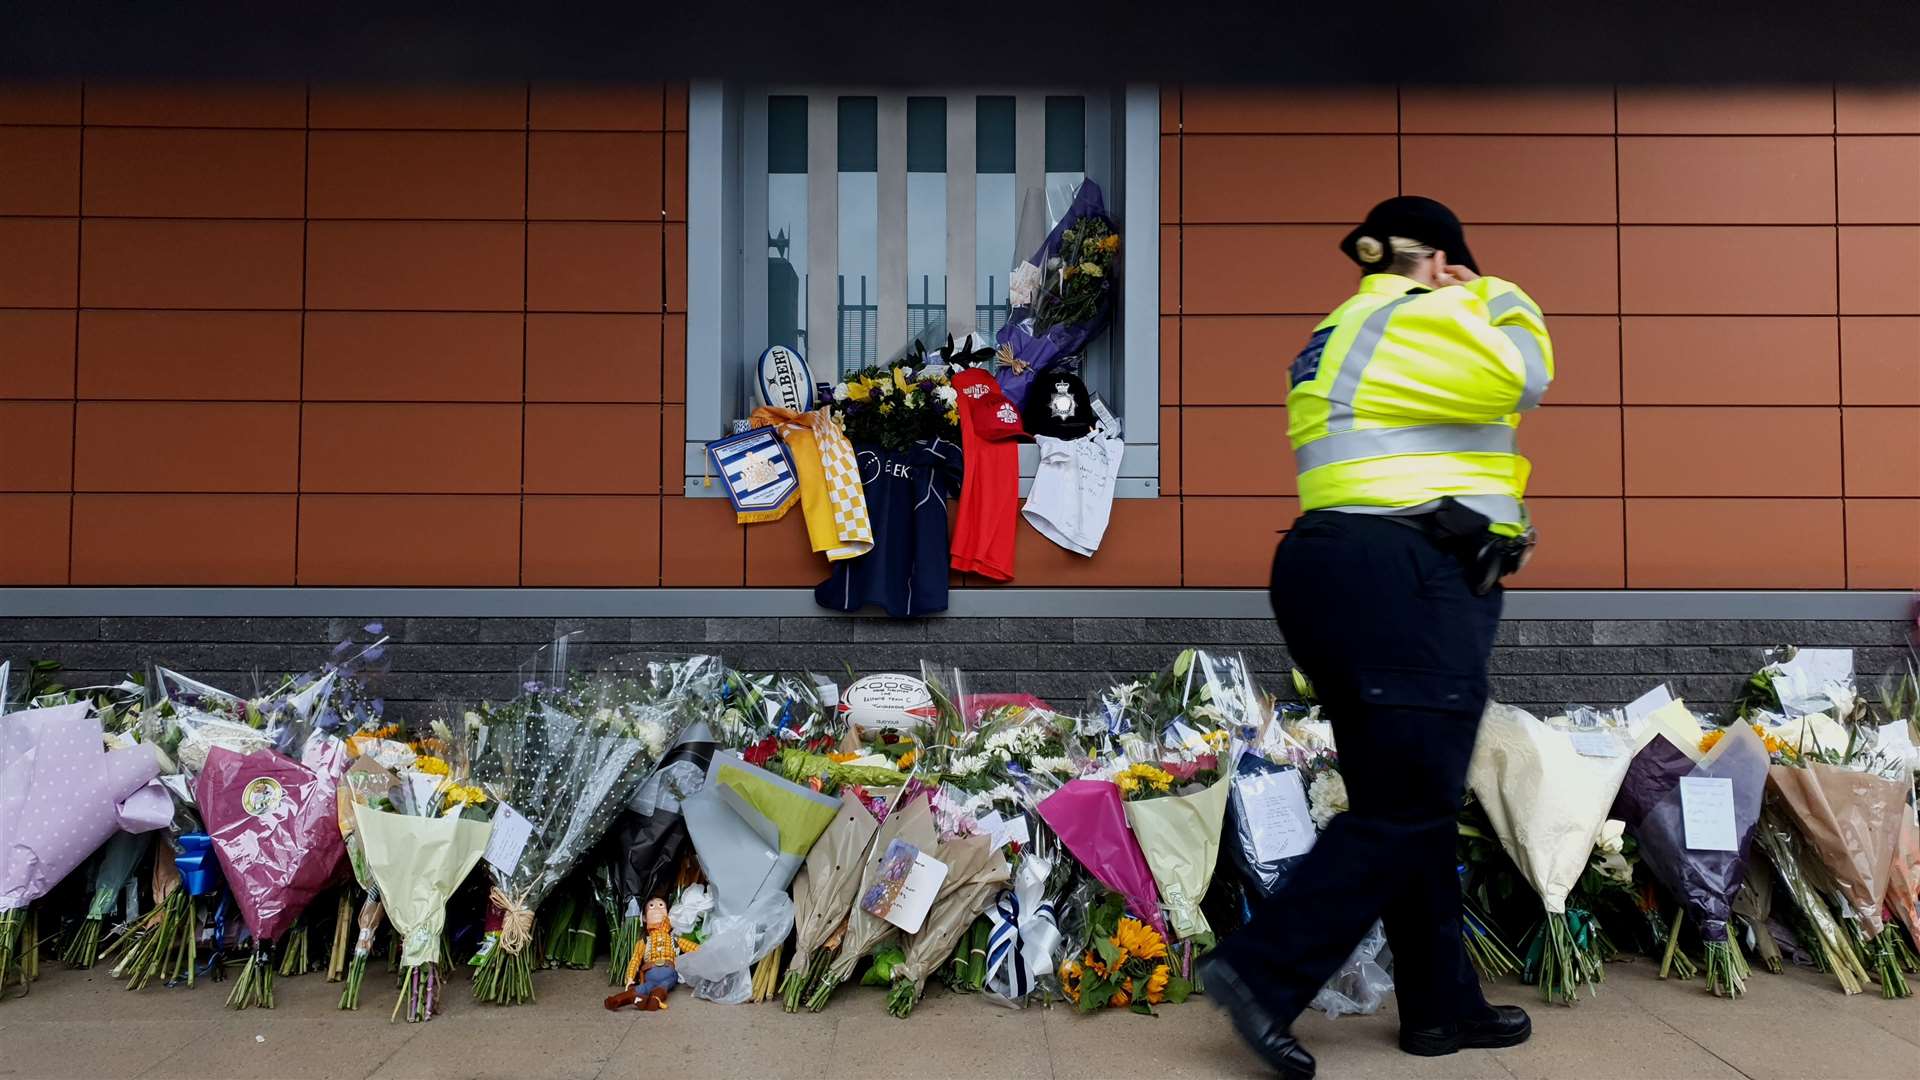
x: 1732, y: 281
x: 321, y: 336
x: 275, y: 335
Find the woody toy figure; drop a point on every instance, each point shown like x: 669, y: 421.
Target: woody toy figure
x: 651, y: 974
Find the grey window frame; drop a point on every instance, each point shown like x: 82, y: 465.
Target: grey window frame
x: 726, y: 203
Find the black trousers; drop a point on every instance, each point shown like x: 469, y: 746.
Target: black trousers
x: 1397, y: 645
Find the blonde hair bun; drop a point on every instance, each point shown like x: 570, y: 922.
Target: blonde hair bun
x: 1369, y: 249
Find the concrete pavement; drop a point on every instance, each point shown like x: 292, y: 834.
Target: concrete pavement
x: 82, y: 1024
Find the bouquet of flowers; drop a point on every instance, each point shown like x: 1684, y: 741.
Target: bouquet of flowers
x: 909, y: 819
x: 1062, y: 297
x: 824, y: 892
x: 273, y: 824
x: 649, y: 835
x: 1124, y: 965
x: 976, y: 870
x: 751, y: 830
x: 1547, y: 801
x: 1852, y: 821
x: 367, y: 782
x: 893, y: 406
x: 1090, y: 819
x: 62, y: 795
x: 1703, y: 871
x: 558, y: 763
x: 419, y: 838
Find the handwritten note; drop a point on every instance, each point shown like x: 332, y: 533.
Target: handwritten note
x: 1275, y: 805
x: 509, y: 838
x: 1644, y: 705
x: 1706, y: 809
x: 1602, y: 744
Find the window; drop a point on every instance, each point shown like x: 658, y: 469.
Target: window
x: 846, y: 222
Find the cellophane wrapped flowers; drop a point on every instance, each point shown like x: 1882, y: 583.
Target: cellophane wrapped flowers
x: 559, y: 762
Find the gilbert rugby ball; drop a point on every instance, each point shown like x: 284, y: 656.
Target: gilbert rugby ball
x: 785, y: 380
x: 891, y: 702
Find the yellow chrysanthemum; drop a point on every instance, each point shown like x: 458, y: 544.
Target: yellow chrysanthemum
x: 1219, y: 739
x: 1157, y: 984
x: 1133, y: 776
x: 1112, y: 242
x: 1091, y: 270
x: 1127, y: 782
x: 431, y: 765
x: 1140, y: 940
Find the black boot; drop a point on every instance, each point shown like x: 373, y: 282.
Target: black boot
x: 1502, y: 1025
x: 1256, y: 1026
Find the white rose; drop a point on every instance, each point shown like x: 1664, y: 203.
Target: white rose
x: 840, y: 392
x: 947, y: 394
x: 1326, y: 798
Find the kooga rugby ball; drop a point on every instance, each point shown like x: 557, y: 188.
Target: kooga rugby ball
x: 785, y: 380
x: 890, y: 702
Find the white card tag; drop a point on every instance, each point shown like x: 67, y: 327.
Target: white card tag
x: 1646, y: 703
x: 508, y: 839
x: 1600, y: 744
x: 909, y: 881
x: 1276, y: 807
x: 1185, y: 738
x: 1706, y: 809
x: 421, y: 787
x: 1017, y: 830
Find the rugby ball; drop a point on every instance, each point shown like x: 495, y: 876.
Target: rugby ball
x: 887, y: 702
x: 785, y: 380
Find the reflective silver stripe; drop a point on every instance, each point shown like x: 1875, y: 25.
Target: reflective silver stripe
x: 1355, y: 444
x: 1506, y: 302
x: 1536, y: 360
x: 1496, y: 508
x: 1352, y: 366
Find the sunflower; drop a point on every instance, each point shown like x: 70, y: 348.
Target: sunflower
x: 1157, y: 984
x: 1070, y: 975
x: 1140, y: 939
x: 906, y: 760
x: 1122, y: 997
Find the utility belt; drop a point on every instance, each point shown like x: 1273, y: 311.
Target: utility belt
x: 1468, y: 536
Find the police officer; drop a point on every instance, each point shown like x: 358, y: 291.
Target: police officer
x: 1402, y: 416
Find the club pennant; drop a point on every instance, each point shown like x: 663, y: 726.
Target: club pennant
x: 756, y: 469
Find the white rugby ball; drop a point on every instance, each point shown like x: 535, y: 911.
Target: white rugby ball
x: 785, y: 380
x: 888, y: 702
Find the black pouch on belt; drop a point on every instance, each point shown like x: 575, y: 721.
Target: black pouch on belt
x: 1467, y: 535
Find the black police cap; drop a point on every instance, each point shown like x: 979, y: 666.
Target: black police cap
x: 1412, y: 217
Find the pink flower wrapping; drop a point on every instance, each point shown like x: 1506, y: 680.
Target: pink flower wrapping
x: 276, y: 831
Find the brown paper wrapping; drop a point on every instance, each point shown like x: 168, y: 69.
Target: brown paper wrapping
x: 976, y: 872
x: 1851, y: 821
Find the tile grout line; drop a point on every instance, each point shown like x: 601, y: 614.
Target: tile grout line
x: 526, y: 264
x: 300, y: 378
x: 1620, y: 342
x: 73, y: 420
x: 412, y: 1034
x: 1663, y: 1022
x: 1839, y: 343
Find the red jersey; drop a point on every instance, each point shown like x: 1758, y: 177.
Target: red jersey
x: 990, y: 485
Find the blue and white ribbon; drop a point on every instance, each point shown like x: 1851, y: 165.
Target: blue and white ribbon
x: 1023, y: 940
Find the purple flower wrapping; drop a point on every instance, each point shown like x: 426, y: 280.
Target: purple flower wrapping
x: 1649, y: 803
x: 1040, y: 351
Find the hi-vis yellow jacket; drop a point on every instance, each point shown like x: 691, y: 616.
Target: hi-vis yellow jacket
x: 1405, y: 395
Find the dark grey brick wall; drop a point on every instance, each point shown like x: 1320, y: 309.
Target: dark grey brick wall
x: 1539, y: 664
